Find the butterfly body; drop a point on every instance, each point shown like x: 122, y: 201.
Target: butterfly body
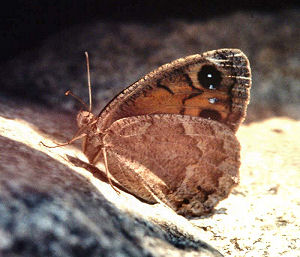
x: 171, y: 134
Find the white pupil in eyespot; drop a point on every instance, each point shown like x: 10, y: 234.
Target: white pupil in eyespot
x: 212, y: 100
x: 211, y: 87
x: 209, y: 75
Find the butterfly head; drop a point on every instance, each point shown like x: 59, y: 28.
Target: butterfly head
x: 84, y: 118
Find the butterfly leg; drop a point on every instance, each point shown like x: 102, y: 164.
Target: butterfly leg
x: 66, y: 143
x: 107, y: 171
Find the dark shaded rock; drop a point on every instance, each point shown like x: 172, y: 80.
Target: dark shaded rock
x: 121, y: 53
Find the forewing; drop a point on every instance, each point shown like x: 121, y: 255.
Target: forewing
x: 214, y: 85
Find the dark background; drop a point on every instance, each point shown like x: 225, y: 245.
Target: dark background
x: 25, y: 23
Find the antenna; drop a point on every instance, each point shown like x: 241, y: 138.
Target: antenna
x: 89, y: 108
x: 77, y: 98
x: 89, y: 80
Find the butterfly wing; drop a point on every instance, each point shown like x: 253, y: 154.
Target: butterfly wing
x: 190, y: 163
x: 214, y: 85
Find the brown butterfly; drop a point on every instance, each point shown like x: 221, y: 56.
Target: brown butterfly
x: 170, y: 136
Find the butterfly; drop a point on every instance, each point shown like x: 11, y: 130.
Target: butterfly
x: 170, y: 136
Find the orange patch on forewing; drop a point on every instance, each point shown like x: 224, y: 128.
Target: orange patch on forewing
x: 168, y: 98
x: 196, y: 104
x: 157, y: 100
x: 179, y: 97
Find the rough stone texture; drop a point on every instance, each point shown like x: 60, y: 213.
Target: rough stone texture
x: 262, y: 215
x: 121, y: 53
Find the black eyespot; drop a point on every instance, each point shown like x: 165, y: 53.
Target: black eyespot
x: 209, y: 77
x: 210, y: 114
x: 185, y: 201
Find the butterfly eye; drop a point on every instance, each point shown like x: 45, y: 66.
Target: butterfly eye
x: 209, y: 77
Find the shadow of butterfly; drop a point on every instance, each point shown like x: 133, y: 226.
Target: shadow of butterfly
x: 170, y: 136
